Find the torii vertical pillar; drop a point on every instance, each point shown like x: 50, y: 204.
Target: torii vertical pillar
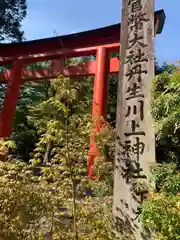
x: 99, y: 104
x: 11, y: 99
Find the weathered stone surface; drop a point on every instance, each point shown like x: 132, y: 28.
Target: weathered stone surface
x: 135, y: 145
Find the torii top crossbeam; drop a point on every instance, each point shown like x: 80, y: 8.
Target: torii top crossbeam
x: 73, y: 45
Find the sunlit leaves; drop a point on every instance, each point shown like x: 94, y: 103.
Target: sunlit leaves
x: 162, y: 214
x: 166, y: 113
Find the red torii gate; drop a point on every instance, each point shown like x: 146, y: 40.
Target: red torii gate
x: 99, y: 42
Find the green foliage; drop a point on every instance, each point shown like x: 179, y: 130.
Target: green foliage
x: 172, y: 185
x: 20, y: 207
x: 104, y: 167
x: 56, y: 196
x: 24, y: 132
x: 50, y: 194
x: 161, y: 213
x: 64, y: 113
x: 112, y: 99
x: 36, y: 200
x: 170, y: 68
x: 12, y: 12
x: 166, y: 113
x: 161, y: 172
x: 52, y: 127
x: 167, y: 178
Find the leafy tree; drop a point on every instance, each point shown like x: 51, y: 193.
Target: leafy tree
x: 165, y: 110
x: 66, y: 204
x: 64, y: 95
x: 12, y: 12
x: 24, y: 132
x: 161, y: 213
x: 33, y: 206
x: 112, y: 99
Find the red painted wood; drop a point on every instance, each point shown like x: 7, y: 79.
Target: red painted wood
x: 102, y: 69
x: 96, y: 37
x: 100, y: 97
x: 65, y: 52
x: 11, y: 98
x: 58, y: 68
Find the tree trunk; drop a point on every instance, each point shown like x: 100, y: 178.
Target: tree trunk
x: 47, y: 154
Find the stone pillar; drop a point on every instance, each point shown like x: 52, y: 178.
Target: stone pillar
x: 135, y: 145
